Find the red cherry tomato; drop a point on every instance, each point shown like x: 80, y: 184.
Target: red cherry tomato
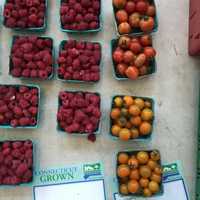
x: 121, y: 68
x: 147, y: 24
x: 118, y: 56
x: 150, y: 52
x: 135, y: 47
x: 146, y: 40
x: 132, y: 72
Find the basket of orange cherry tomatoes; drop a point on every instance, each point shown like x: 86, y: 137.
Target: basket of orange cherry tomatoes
x: 131, y: 118
x: 135, y: 16
x: 133, y: 57
x: 139, y: 173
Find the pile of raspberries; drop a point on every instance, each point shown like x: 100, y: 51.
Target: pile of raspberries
x: 31, y: 57
x: 18, y: 106
x: 24, y: 13
x: 79, y: 112
x: 79, y: 60
x: 16, y: 162
x: 80, y: 15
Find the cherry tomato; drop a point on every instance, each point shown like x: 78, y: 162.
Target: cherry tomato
x: 141, y: 7
x: 124, y: 28
x: 130, y: 7
x: 147, y: 24
x: 121, y: 16
x: 128, y: 57
x: 121, y: 68
x: 151, y: 11
x: 146, y: 40
x: 132, y: 72
x: 118, y: 56
x: 134, y: 20
x: 140, y: 60
x: 124, y: 42
x: 150, y: 52
x: 135, y: 47
x: 119, y: 3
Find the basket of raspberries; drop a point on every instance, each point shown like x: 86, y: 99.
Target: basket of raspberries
x: 80, y: 16
x: 19, y: 106
x: 139, y: 173
x: 79, y: 61
x: 16, y: 162
x: 135, y: 16
x: 79, y: 113
x: 31, y: 57
x: 133, y: 57
x: 25, y: 14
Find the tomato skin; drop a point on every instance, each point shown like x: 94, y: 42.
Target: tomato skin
x: 124, y: 42
x: 135, y: 47
x: 141, y: 7
x: 121, y: 68
x: 146, y: 40
x: 119, y: 3
x: 147, y: 24
x: 130, y: 7
x: 132, y: 72
x: 128, y: 57
x: 118, y: 56
x: 134, y: 20
x: 150, y: 52
x: 151, y: 11
x: 124, y: 28
x: 140, y: 60
x: 121, y: 16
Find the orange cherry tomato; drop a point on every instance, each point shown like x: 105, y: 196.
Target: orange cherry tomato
x: 121, y: 16
x: 147, y: 24
x: 132, y: 73
x: 150, y: 52
x: 124, y: 28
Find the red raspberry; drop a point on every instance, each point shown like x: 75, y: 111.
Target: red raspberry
x: 78, y: 7
x: 18, y: 111
x: 22, y: 168
x: 28, y: 144
x: 86, y: 3
x: 8, y: 115
x: 24, y: 103
x: 27, y: 176
x: 15, y: 164
x: 24, y: 121
x: 16, y: 153
x: 96, y: 5
x: 76, y: 64
x: 30, y: 162
x: 6, y: 145
x: 64, y: 9
x: 3, y: 170
x: 14, y: 122
x: 34, y: 73
x: 29, y: 153
x: 89, y: 128
x: 1, y: 157
x: 17, y: 144
x: 16, y: 72
x: 95, y: 68
x: 6, y: 151
x: 2, y: 119
x: 43, y: 74
x: 23, y: 12
x: 34, y: 100
x: 33, y: 121
x: 61, y: 60
x: 26, y: 73
x: 94, y: 25
x: 92, y: 137
x: 23, y: 89
x: 33, y: 11
x: 83, y: 26
x: 3, y: 109
x: 33, y: 110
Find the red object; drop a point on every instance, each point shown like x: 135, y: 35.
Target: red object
x: 79, y: 60
x: 31, y: 57
x: 194, y: 29
x: 24, y: 14
x: 15, y: 168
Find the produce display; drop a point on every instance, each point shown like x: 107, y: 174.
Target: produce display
x: 31, y: 57
x: 133, y: 57
x: 24, y: 14
x: 79, y: 113
x: 131, y: 117
x: 79, y: 60
x: 80, y: 15
x: 19, y: 106
x: 135, y: 17
x: 139, y: 173
x: 16, y: 162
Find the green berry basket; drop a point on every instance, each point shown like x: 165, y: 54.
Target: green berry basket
x: 151, y: 69
x: 98, y: 129
x: 31, y: 29
x: 61, y: 46
x: 138, y: 31
x: 146, y: 138
x: 30, y: 86
x: 139, y: 194
x: 84, y: 31
x: 50, y: 77
x: 34, y: 165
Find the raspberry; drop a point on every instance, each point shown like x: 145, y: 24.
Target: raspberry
x: 15, y: 164
x: 33, y: 10
x: 33, y: 110
x: 34, y: 100
x: 94, y: 25
x: 26, y: 73
x: 16, y: 153
x: 16, y: 72
x: 27, y: 177
x: 28, y: 144
x: 22, y: 168
x: 3, y: 170
x: 33, y: 121
x: 34, y: 73
x: 6, y: 151
x: 6, y: 145
x: 18, y: 111
x: 89, y: 128
x: 92, y: 137
x: 1, y: 158
x: 17, y: 145
x: 24, y: 121
x: 78, y: 7
x: 43, y: 74
x: 76, y: 64
x: 24, y: 103
x: 29, y: 153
